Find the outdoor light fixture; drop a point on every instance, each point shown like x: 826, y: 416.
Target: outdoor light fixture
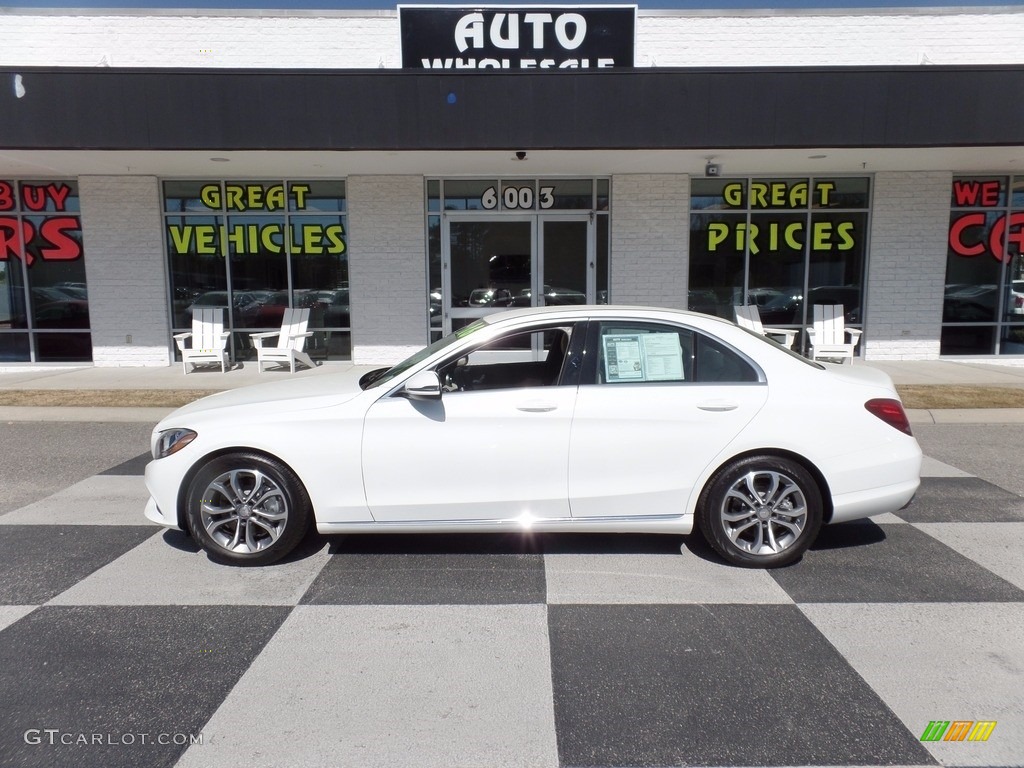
x: 19, y: 87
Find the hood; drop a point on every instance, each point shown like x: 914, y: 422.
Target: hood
x: 301, y: 393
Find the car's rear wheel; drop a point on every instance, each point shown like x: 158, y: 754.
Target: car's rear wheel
x: 761, y: 511
x: 247, y: 509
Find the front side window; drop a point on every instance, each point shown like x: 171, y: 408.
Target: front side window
x: 983, y: 307
x: 256, y: 248
x: 520, y: 359
x: 44, y: 303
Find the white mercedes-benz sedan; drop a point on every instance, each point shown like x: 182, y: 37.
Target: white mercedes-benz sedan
x: 581, y: 418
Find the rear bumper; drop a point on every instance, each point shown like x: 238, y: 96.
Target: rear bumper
x: 876, y: 501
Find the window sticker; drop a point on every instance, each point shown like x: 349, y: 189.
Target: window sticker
x: 635, y: 357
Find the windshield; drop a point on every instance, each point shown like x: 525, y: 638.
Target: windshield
x: 423, y: 354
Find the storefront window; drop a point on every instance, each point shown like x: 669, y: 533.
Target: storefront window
x: 257, y: 248
x: 44, y: 303
x: 983, y: 309
x: 772, y: 242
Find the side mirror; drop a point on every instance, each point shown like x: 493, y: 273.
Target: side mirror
x: 425, y: 385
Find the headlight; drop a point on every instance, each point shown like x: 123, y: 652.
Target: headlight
x: 171, y: 441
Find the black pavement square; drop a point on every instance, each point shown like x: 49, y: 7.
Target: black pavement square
x: 737, y: 685
x: 134, y: 467
x: 38, y: 562
x: 864, y: 562
x: 431, y: 569
x: 963, y: 500
x: 116, y: 681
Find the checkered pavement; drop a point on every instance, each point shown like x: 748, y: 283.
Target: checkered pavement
x: 121, y: 643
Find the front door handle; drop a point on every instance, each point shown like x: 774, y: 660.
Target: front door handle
x: 718, y: 405
x: 536, y: 406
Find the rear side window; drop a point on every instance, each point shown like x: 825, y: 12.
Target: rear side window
x: 715, y: 362
x: 642, y: 353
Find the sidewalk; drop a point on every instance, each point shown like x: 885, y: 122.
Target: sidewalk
x: 171, y: 378
x: 164, y: 379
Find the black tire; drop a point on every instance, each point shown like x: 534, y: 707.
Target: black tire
x: 761, y: 511
x: 247, y: 509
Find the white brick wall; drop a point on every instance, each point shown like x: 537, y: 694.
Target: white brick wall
x: 368, y: 39
x: 124, y: 267
x: 907, y: 271
x: 387, y: 267
x: 841, y: 38
x: 200, y: 39
x: 650, y: 239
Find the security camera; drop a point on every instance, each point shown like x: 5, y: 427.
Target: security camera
x: 712, y: 170
x: 520, y: 155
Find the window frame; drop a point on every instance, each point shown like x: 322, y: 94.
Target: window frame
x: 568, y: 373
x: 591, y: 355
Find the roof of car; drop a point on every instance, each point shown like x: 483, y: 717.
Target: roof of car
x: 593, y: 310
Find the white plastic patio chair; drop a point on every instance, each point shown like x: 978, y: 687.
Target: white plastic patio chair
x: 829, y: 338
x: 747, y: 316
x: 209, y: 339
x: 290, y: 342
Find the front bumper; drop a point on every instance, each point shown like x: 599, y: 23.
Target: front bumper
x: 153, y: 513
x: 163, y: 481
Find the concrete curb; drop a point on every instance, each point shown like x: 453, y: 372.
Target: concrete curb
x: 967, y: 416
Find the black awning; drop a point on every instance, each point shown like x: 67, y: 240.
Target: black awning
x: 153, y: 109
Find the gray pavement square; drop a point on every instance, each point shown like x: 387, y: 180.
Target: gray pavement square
x: 939, y: 662
x: 97, y: 500
x: 999, y: 547
x: 364, y: 686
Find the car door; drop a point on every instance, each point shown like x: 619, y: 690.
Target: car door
x: 656, y: 403
x: 494, y: 447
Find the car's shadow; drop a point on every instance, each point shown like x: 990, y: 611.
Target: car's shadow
x: 858, y: 533
x: 309, y: 546
x: 518, y: 543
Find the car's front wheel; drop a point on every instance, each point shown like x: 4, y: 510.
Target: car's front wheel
x: 247, y: 509
x: 761, y: 511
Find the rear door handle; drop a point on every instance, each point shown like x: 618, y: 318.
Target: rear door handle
x: 537, y: 406
x: 718, y: 405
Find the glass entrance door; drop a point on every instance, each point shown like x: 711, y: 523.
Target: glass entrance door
x: 488, y: 267
x: 567, y: 261
x: 495, y: 264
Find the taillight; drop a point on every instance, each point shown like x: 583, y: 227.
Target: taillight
x: 891, y: 412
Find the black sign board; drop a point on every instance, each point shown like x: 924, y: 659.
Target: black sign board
x: 517, y: 38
